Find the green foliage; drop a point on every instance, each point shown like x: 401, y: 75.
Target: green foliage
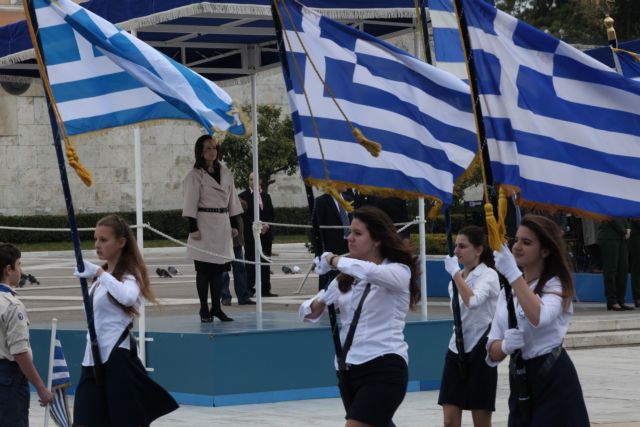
x: 276, y: 148
x: 577, y: 21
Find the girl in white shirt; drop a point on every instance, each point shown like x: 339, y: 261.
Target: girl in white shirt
x: 377, y: 374
x: 542, y: 295
x: 478, y: 287
x: 127, y: 397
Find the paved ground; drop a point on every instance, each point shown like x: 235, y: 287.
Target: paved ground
x: 609, y: 379
x: 609, y: 376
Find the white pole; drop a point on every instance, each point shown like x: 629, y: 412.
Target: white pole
x: 423, y: 259
x: 52, y: 347
x: 256, y: 181
x: 142, y: 321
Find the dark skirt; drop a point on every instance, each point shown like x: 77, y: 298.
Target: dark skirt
x: 556, y: 399
x: 377, y: 388
x: 14, y: 395
x: 478, y: 391
x: 128, y: 398
x: 211, y: 268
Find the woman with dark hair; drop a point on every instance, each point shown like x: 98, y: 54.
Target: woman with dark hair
x: 210, y: 199
x: 127, y: 396
x: 538, y: 272
x: 478, y: 288
x: 381, y: 275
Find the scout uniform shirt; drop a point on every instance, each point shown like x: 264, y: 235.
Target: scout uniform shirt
x: 14, y: 325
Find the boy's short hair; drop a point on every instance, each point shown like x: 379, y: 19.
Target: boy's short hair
x: 9, y: 254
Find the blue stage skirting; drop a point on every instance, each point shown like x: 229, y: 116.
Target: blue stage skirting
x: 589, y: 287
x: 219, y: 368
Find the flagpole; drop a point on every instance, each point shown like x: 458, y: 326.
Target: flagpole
x: 611, y: 36
x: 517, y: 363
x: 52, y: 348
x: 75, y: 236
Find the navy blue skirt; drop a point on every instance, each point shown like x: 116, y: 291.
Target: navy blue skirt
x: 556, y: 399
x: 128, y: 398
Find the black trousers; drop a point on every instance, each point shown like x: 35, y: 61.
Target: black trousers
x: 265, y: 271
x: 14, y: 396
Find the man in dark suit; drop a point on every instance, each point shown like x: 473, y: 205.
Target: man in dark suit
x: 267, y: 214
x: 327, y: 212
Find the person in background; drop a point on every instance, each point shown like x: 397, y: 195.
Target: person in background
x: 543, y: 292
x: 478, y: 288
x: 127, y: 397
x: 16, y: 360
x: 612, y: 238
x: 266, y: 214
x: 634, y: 260
x: 328, y: 212
x: 397, y: 210
x: 210, y: 201
x: 380, y: 273
x: 239, y: 269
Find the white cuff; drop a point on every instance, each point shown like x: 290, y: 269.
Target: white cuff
x: 305, y: 310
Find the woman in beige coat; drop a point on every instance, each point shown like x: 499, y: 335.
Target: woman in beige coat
x: 210, y: 199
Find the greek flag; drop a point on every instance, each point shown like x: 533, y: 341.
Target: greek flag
x: 103, y: 77
x: 560, y: 126
x: 421, y: 116
x: 61, y: 379
x: 628, y: 62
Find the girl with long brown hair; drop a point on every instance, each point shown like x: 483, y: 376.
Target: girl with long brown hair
x: 538, y: 272
x: 127, y: 397
x: 381, y: 267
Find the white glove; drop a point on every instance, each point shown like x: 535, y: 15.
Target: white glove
x: 322, y: 263
x: 512, y: 341
x: 330, y: 295
x: 89, y: 272
x: 506, y: 264
x: 451, y: 265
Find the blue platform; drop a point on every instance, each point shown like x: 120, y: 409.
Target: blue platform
x: 243, y: 362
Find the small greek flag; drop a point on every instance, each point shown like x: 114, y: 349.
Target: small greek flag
x: 420, y: 115
x: 446, y: 38
x: 61, y: 379
x: 629, y: 63
x: 103, y: 77
x: 560, y: 126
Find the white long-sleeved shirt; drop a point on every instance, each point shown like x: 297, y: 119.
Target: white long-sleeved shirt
x: 541, y: 339
x: 111, y: 320
x: 482, y: 305
x: 380, y: 329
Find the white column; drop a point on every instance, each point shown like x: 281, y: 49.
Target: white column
x: 423, y: 259
x: 256, y: 178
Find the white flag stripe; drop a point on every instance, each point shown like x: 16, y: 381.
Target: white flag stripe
x: 443, y: 19
x: 337, y: 151
x: 109, y: 103
x: 588, y: 180
x: 610, y: 97
x: 47, y: 17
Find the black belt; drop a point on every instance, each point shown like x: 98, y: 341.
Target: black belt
x: 214, y: 210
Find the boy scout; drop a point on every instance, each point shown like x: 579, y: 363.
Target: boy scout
x: 16, y: 363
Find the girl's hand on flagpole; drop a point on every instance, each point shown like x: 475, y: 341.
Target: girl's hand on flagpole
x: 506, y: 264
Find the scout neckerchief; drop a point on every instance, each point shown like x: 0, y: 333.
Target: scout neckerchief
x: 5, y: 288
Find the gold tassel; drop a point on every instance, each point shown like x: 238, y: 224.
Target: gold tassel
x: 347, y: 206
x: 502, y: 215
x: 371, y: 146
x: 74, y: 162
x: 492, y: 227
x: 435, y: 210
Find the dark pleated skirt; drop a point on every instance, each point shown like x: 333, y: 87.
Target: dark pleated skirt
x: 211, y: 268
x: 478, y: 391
x: 128, y: 398
x: 556, y: 399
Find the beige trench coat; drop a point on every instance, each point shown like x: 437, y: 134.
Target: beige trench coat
x: 202, y: 191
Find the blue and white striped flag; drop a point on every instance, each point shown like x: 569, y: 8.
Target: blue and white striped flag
x: 446, y: 38
x: 103, y: 77
x: 60, y: 380
x: 561, y: 126
x: 629, y: 63
x: 420, y: 115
